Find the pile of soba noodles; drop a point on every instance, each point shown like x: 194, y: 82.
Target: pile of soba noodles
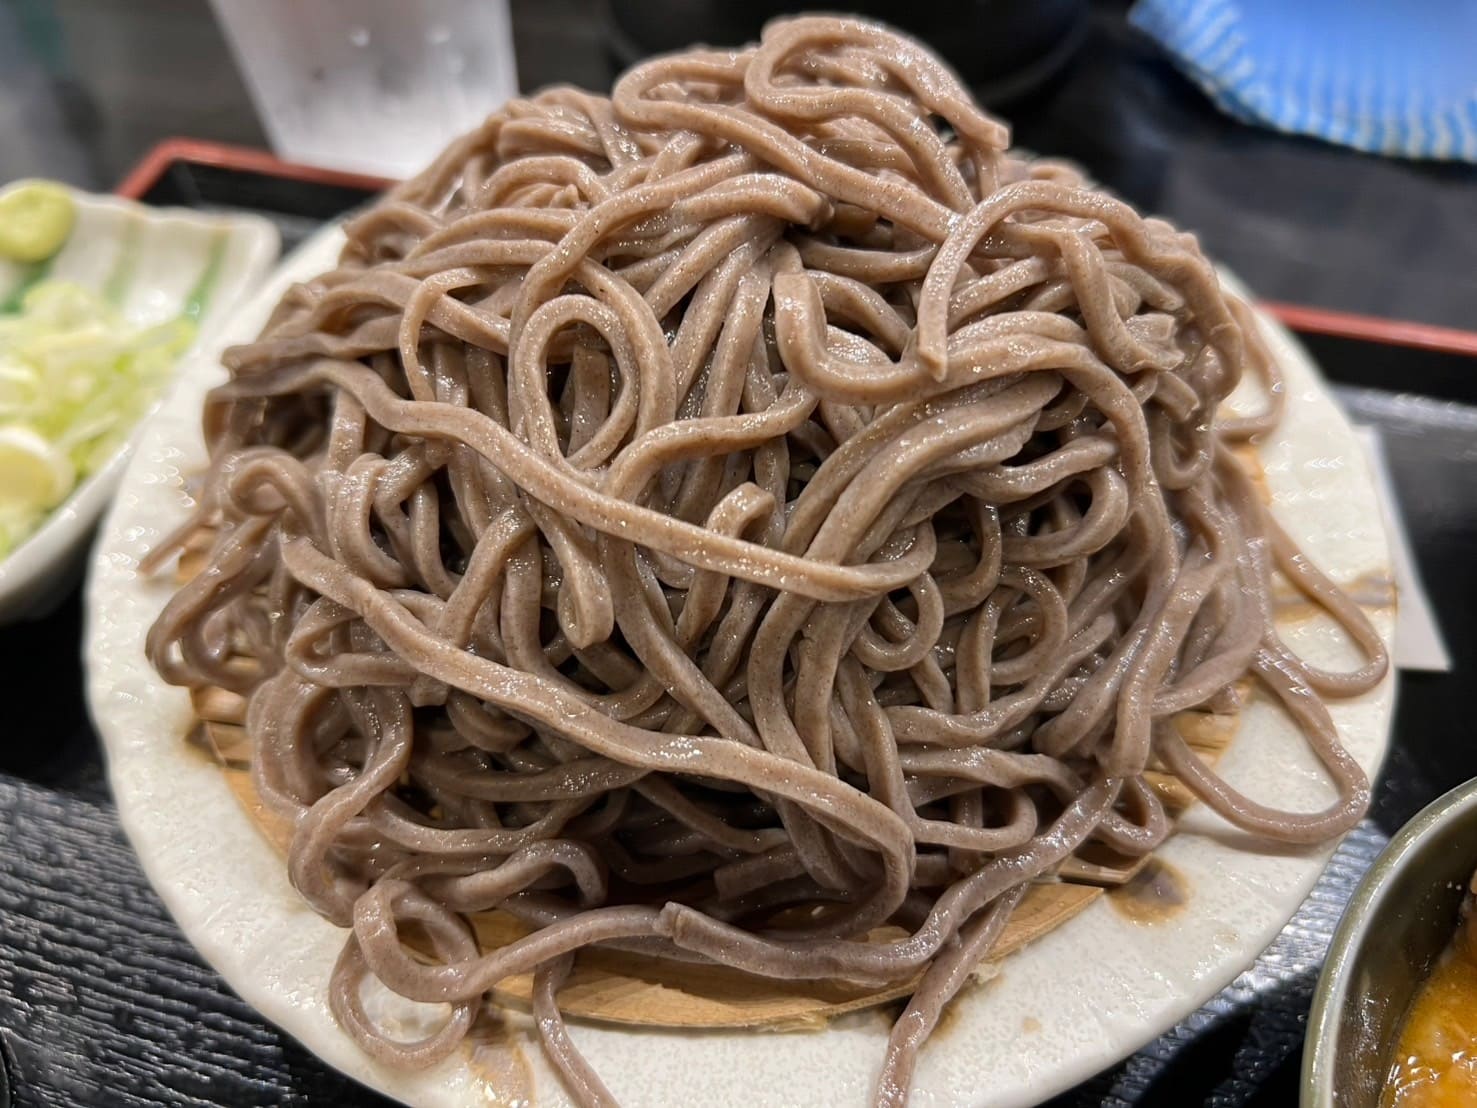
x: 722, y: 520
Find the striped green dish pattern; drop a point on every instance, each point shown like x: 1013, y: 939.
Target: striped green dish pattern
x: 138, y: 260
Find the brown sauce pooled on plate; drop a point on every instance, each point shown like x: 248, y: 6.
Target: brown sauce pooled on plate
x: 1436, y: 1057
x: 1152, y: 895
x: 499, y: 1064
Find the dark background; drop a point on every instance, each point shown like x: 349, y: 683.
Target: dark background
x: 101, y: 1000
x: 86, y: 86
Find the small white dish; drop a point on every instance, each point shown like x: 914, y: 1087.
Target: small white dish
x: 153, y: 262
x: 1082, y: 998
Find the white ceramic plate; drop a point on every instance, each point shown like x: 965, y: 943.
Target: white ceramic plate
x: 1083, y: 997
x: 152, y: 262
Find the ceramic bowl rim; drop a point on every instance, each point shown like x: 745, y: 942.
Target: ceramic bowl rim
x: 1370, y: 901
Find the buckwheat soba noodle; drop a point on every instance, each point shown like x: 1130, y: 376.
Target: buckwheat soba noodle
x: 721, y: 520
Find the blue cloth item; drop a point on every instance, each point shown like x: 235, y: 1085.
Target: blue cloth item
x: 1388, y: 76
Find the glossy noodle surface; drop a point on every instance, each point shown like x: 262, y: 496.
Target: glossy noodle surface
x: 732, y: 519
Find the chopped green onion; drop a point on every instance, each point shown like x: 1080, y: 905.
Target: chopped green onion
x: 75, y: 376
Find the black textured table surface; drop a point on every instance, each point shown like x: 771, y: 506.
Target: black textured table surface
x: 102, y: 1002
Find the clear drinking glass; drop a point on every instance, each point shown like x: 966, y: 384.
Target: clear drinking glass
x: 377, y: 86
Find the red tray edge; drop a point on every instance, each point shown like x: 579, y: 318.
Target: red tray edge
x: 153, y: 165
x: 1299, y: 317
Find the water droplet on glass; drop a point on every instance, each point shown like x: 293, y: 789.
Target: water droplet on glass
x: 438, y: 33
x: 359, y: 36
